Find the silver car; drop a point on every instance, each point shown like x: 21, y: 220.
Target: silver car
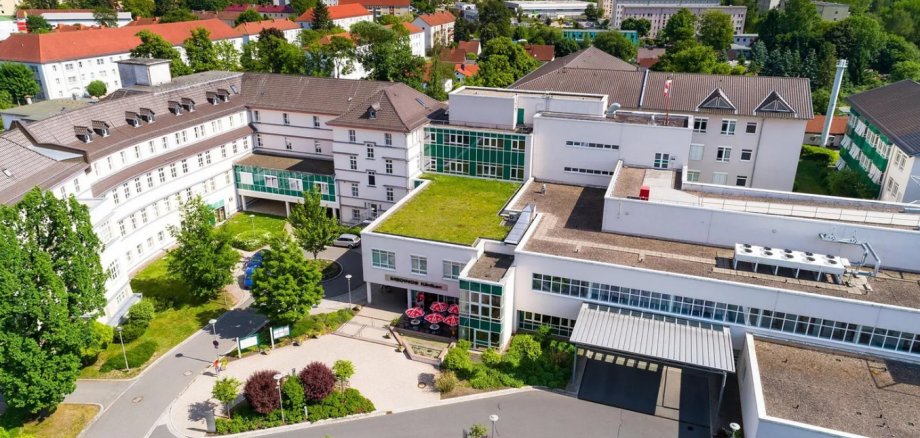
x: 347, y: 241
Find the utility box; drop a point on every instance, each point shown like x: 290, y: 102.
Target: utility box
x: 644, y: 191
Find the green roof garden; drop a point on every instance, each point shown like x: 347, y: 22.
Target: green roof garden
x: 453, y: 209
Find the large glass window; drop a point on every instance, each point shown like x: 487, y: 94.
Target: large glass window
x: 452, y: 270
x: 383, y: 259
x: 419, y: 265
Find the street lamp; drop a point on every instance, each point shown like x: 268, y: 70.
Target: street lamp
x: 494, y: 419
x: 280, y: 405
x: 348, y: 277
x: 252, y: 221
x: 213, y: 323
x: 123, y: 353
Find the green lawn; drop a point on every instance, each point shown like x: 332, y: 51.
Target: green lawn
x: 170, y: 326
x: 255, y: 232
x: 815, y: 163
x: 453, y: 209
x: 67, y: 421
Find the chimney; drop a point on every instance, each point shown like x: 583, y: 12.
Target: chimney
x: 832, y: 103
x: 144, y: 72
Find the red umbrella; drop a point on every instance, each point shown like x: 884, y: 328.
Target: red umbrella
x: 415, y: 312
x: 453, y: 309
x: 452, y: 320
x: 434, y: 318
x: 438, y: 306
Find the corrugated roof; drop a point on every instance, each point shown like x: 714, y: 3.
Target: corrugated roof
x: 590, y: 58
x: 29, y: 168
x: 656, y: 337
x: 895, y: 110
x: 262, y: 9
x: 541, y: 52
x: 23, y: 13
x: 337, y: 12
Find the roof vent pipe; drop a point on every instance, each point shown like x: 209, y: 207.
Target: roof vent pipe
x: 613, y: 108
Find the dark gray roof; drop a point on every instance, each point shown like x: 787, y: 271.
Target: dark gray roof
x: 296, y: 164
x: 29, y: 168
x: 46, y: 108
x: 590, y: 58
x: 394, y: 108
x: 895, y: 110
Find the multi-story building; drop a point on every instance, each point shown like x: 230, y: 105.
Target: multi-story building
x: 64, y: 63
x: 549, y: 9
x: 278, y: 12
x: 438, y: 28
x: 67, y: 17
x: 658, y: 14
x: 343, y: 16
x: 383, y: 7
x: 250, y: 31
x: 881, y: 141
x: 747, y: 130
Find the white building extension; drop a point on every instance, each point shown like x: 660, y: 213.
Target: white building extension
x: 69, y: 17
x: 343, y: 16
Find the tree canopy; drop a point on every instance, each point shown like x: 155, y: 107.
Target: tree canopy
x: 17, y: 80
x: 96, y: 88
x: 640, y: 25
x: 616, y: 44
x: 200, y: 50
x: 286, y: 286
x: 312, y: 227
x: 502, y: 62
x: 272, y: 54
x: 250, y: 15
x: 690, y: 57
x: 37, y: 24
x: 717, y: 30
x: 202, y: 258
x: 681, y: 27
x: 154, y: 46
x: 494, y: 20
x: 321, y: 19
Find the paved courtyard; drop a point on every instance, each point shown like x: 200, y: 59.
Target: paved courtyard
x: 383, y: 375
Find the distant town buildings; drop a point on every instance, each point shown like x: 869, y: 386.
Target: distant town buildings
x: 658, y: 12
x: 438, y: 28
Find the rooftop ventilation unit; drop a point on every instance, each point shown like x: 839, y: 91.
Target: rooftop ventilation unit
x: 786, y: 258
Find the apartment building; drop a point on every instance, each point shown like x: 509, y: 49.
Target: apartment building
x: 438, y: 28
x: 275, y: 12
x: 67, y: 17
x: 659, y: 14
x: 383, y: 7
x: 343, y: 16
x: 250, y: 31
x: 881, y: 141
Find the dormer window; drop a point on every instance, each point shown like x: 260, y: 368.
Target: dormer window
x: 83, y: 133
x: 212, y: 97
x: 132, y: 118
x: 372, y: 111
x: 774, y: 103
x: 188, y: 104
x: 223, y: 95
x: 175, y: 107
x: 147, y: 115
x: 101, y: 128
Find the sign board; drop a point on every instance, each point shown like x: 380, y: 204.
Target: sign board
x: 281, y: 331
x: 414, y: 282
x: 250, y: 341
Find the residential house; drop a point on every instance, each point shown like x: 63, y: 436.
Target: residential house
x: 438, y: 28
x: 383, y: 7
x: 658, y: 12
x: 57, y: 17
x: 250, y: 31
x: 343, y: 16
x: 830, y: 11
x: 269, y: 11
x: 815, y: 127
x: 541, y: 52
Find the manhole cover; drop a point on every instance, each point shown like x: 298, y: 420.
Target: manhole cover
x: 137, y: 399
x: 422, y: 385
x: 187, y: 373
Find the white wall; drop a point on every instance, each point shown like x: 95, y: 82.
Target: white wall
x: 484, y: 110
x: 777, y: 154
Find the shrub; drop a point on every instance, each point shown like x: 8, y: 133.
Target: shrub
x: 524, y: 349
x: 102, y: 336
x: 491, y: 378
x: 491, y: 358
x: 477, y: 431
x: 96, y: 88
x: 225, y: 391
x: 458, y: 360
x: 131, y: 330
x: 446, y: 382
x: 250, y: 240
x: 142, y: 312
x: 317, y: 380
x: 294, y: 399
x: 137, y: 356
x: 340, y: 404
x: 343, y: 370
x: 260, y: 391
x: 321, y: 324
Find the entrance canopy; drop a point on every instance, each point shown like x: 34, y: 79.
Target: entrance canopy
x: 655, y: 337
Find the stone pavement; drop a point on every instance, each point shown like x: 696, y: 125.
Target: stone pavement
x: 384, y: 376
x: 370, y: 324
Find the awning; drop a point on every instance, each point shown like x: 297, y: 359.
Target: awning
x: 656, y: 337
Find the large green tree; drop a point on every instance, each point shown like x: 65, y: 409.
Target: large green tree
x: 616, y: 44
x: 438, y: 72
x: 313, y: 228
x: 502, y: 62
x: 178, y: 15
x: 858, y: 39
x: 688, y: 57
x: 494, y: 20
x: 139, y: 8
x: 641, y: 25
x: 17, y: 80
x: 202, y: 258
x: 286, y: 286
x: 227, y: 57
x: 52, y: 286
x: 301, y: 6
x: 248, y: 16
x: 154, y: 46
x: 681, y: 27
x: 38, y: 24
x: 200, y: 50
x: 321, y: 19
x: 105, y: 16
x: 906, y: 70
x: 716, y: 30
x: 272, y: 54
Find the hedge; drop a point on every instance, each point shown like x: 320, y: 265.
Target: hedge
x: 137, y: 356
x: 336, y: 405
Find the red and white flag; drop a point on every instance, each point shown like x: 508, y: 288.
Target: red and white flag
x: 667, y: 87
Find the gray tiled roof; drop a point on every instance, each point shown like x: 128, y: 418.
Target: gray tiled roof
x: 590, y: 58
x: 29, y: 168
x: 895, y: 110
x: 399, y: 108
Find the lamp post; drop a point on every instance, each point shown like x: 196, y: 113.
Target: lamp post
x: 123, y: 353
x: 280, y: 404
x: 252, y: 222
x: 348, y: 277
x: 213, y: 323
x: 494, y: 419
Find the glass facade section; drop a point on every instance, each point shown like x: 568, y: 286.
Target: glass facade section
x: 475, y: 153
x: 533, y: 321
x: 481, y: 313
x: 283, y: 182
x: 729, y: 313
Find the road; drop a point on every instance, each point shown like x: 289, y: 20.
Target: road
x: 534, y: 413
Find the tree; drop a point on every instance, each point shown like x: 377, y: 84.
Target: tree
x: 203, y: 258
x: 759, y: 57
x: 139, y: 8
x: 343, y: 370
x: 286, y: 286
x: 465, y: 30
x: 38, y: 24
x: 616, y: 44
x: 17, y: 80
x: 336, y: 58
x: 641, y: 25
x: 293, y: 395
x: 857, y: 39
x: 154, y: 46
x: 164, y: 7
x: 894, y: 50
x: 317, y: 380
x: 226, y: 391
x: 392, y: 20
x: 6, y: 101
x: 502, y: 62
x: 681, y: 27
x: 261, y: 391
x: 850, y: 184
x: 393, y: 61
x: 227, y: 58
x: 438, y: 72
x: 105, y: 16
x: 477, y: 431
x: 301, y: 6
x: 591, y: 12
x: 717, y: 30
x: 178, y: 15
x: 494, y: 20
x: 207, y: 5
x: 906, y: 70
x: 688, y: 57
x: 248, y: 16
x: 52, y: 287
x: 272, y: 54
x: 321, y: 19
x: 100, y: 338
x: 566, y: 47
x: 200, y: 50
x: 313, y: 227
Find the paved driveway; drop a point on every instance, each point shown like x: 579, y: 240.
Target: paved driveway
x: 350, y: 259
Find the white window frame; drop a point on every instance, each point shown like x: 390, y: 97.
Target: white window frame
x: 693, y: 175
x: 700, y: 124
x: 418, y: 265
x: 271, y: 181
x: 662, y: 160
x: 729, y: 126
x: 322, y: 186
x: 295, y: 184
x: 724, y: 154
x: 716, y: 176
x: 696, y: 152
x: 740, y: 178
x: 382, y: 259
x: 750, y: 154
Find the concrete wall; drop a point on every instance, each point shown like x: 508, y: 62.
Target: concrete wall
x: 482, y: 110
x: 534, y: 103
x: 777, y: 154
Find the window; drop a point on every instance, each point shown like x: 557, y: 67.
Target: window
x: 728, y: 126
x: 76, y: 185
x: 693, y: 175
x: 517, y: 145
x: 723, y: 154
x: 271, y: 181
x: 491, y: 143
x: 315, y: 122
x: 149, y: 180
x: 587, y: 171
x: 354, y: 190
x: 259, y: 140
x: 355, y: 214
x: 137, y: 151
x: 390, y: 195
x: 383, y: 259
x: 900, y: 160
x: 488, y: 170
x: 661, y: 161
x: 321, y: 187
x: 172, y: 170
x: 255, y: 115
x: 419, y: 265
x: 287, y: 144
x: 517, y: 173
x: 751, y: 128
x: 451, y: 270
x: 370, y: 150
x: 295, y: 184
x: 719, y: 178
x: 123, y: 156
x: 388, y: 139
x: 200, y: 160
x: 371, y: 178
x: 223, y: 151
x: 700, y: 124
x: 286, y: 118
x: 741, y: 181
x: 126, y: 190
x: 246, y: 178
x: 165, y: 142
x: 316, y: 147
x: 696, y: 152
x: 388, y: 166
x: 353, y: 162
x: 458, y: 139
x: 457, y: 167
x: 352, y: 136
x: 585, y: 144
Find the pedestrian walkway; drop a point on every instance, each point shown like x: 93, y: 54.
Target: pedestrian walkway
x: 97, y: 392
x: 369, y: 329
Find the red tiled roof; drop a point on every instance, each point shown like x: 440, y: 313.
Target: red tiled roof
x: 542, y: 52
x: 816, y: 125
x: 253, y: 28
x: 23, y: 13
x: 466, y: 69
x: 326, y: 39
x: 75, y: 27
x: 438, y: 18
x: 455, y: 55
x: 222, y: 15
x: 57, y: 46
x: 262, y: 9
x: 379, y: 3
x: 144, y: 21
x: 469, y: 46
x: 411, y: 27
x: 337, y: 13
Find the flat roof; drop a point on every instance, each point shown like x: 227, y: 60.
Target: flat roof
x: 453, y: 209
x: 295, y: 164
x: 856, y: 394
x: 46, y: 108
x: 491, y: 266
x: 483, y: 91
x: 571, y: 227
x: 657, y: 337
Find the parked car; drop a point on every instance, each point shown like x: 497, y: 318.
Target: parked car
x: 347, y: 241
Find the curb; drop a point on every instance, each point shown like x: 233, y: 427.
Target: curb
x: 92, y: 420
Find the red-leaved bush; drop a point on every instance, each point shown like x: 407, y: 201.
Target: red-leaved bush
x: 317, y: 380
x: 260, y: 391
